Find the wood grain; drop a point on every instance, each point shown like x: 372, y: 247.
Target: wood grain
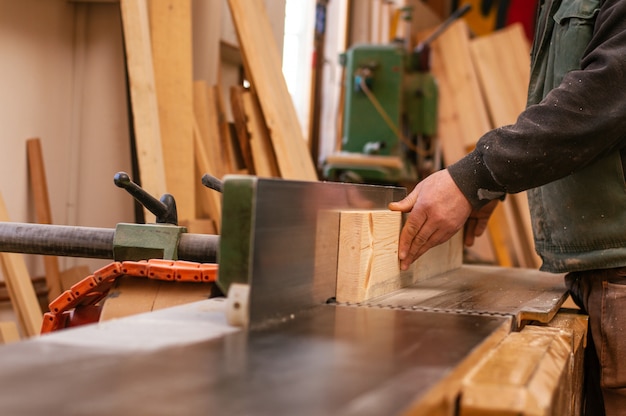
x: 143, y: 97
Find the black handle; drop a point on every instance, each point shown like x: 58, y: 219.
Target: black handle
x: 164, y: 209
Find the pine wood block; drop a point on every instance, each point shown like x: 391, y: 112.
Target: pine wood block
x: 368, y: 263
x: 264, y: 159
x: 143, y: 97
x: 170, y: 30
x: 525, y: 374
x: 262, y: 63
x: 440, y: 259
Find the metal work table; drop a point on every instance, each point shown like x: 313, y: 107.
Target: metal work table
x: 330, y: 359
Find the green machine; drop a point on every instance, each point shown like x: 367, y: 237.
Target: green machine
x: 390, y: 114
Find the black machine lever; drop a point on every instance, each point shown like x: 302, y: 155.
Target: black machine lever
x: 212, y: 182
x: 164, y: 209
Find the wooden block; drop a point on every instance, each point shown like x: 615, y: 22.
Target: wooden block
x: 144, y: 99
x: 357, y: 159
x: 575, y: 324
x: 170, y: 31
x: 368, y: 263
x: 525, y: 374
x: 23, y: 297
x: 129, y: 296
x: 262, y: 63
x: 8, y: 333
x: 440, y: 259
x: 39, y: 185
x: 264, y: 159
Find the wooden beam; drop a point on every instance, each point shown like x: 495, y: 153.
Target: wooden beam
x: 20, y: 286
x: 366, y: 247
x: 241, y: 126
x: 209, y: 201
x: 527, y: 373
x: 39, y: 185
x: 265, y: 163
x: 207, y: 120
x: 143, y: 97
x: 262, y: 62
x: 170, y: 30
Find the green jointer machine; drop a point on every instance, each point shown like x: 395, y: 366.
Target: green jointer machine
x: 390, y: 113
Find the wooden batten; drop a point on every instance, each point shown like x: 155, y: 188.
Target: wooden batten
x: 170, y: 30
x: 262, y: 152
x: 143, y: 97
x: 241, y: 126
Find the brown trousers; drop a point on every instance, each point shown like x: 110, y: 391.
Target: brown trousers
x: 602, y: 295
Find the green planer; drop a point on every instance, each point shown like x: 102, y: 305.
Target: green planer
x: 389, y: 115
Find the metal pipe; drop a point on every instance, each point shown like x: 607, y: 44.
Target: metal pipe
x: 90, y: 242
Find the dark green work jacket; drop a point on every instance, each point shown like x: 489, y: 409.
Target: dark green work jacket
x: 566, y: 147
x: 579, y: 222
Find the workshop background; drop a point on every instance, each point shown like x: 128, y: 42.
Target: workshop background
x: 274, y: 296
x: 65, y: 82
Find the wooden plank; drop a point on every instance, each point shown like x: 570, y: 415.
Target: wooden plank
x: 170, y: 30
x: 463, y: 117
x: 209, y: 201
x: 206, y: 118
x: 264, y: 159
x: 454, y: 52
x: 8, y: 333
x: 358, y: 159
x: 23, y: 297
x: 525, y: 374
x: 262, y: 62
x: 502, y: 62
x: 225, y: 136
x: 440, y: 259
x: 144, y: 100
x: 241, y: 128
x: 39, y: 185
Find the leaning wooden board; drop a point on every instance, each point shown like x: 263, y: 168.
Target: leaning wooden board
x: 262, y: 63
x: 141, y: 83
x: 170, y: 34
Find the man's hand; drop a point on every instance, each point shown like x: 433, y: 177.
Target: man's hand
x: 477, y: 222
x: 438, y: 210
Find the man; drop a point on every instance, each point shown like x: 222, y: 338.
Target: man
x: 568, y: 148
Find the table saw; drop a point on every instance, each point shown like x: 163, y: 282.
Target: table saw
x: 275, y: 338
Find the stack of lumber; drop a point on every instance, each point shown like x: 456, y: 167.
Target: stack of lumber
x: 482, y: 85
x: 181, y: 130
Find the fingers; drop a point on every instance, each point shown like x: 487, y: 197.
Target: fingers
x: 406, y: 204
x: 423, y: 241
